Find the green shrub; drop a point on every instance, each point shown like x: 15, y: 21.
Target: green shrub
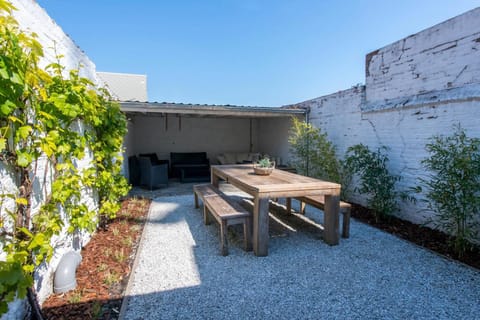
x: 315, y: 156
x: 452, y: 189
x: 301, y: 137
x: 375, y: 179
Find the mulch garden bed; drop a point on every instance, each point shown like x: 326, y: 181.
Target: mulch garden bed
x: 107, y: 260
x: 103, y: 273
x: 423, y: 236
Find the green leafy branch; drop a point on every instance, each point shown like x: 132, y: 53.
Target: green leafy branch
x: 43, y: 114
x: 452, y: 186
x: 375, y: 179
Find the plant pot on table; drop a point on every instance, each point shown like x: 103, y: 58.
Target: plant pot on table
x: 263, y: 171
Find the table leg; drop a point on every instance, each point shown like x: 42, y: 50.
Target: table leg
x: 260, y: 227
x: 289, y: 205
x: 332, y: 208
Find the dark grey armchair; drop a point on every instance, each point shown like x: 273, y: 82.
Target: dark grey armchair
x: 152, y: 175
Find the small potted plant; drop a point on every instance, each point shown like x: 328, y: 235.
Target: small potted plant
x: 264, y: 166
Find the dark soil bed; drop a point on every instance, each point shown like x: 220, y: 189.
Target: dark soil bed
x: 431, y: 239
x: 107, y: 260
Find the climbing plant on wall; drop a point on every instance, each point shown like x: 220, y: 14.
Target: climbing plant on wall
x: 49, y: 120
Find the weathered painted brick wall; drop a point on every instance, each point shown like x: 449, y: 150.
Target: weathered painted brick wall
x: 415, y: 88
x: 33, y: 18
x: 55, y: 42
x: 445, y: 56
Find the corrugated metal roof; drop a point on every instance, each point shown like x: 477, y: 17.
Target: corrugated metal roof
x: 208, y: 110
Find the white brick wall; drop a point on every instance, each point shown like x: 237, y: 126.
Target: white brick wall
x: 444, y: 56
x: 33, y: 18
x: 401, y: 110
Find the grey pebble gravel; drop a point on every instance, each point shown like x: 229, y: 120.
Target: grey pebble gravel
x: 180, y: 274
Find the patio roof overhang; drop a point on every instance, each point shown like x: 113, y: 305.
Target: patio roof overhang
x: 205, y: 110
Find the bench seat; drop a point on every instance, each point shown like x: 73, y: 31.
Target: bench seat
x: 318, y: 201
x: 225, y: 212
x: 204, y: 190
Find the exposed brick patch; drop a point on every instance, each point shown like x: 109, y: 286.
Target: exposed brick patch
x: 368, y: 59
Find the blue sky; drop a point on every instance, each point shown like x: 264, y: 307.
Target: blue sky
x: 243, y: 52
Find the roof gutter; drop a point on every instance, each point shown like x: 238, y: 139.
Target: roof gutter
x: 213, y: 110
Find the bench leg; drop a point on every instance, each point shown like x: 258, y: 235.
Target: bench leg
x: 247, y: 234
x: 346, y: 224
x: 223, y: 238
x: 195, y: 199
x: 289, y: 205
x: 303, y: 206
x: 206, y: 215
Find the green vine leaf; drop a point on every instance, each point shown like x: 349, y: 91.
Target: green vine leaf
x: 7, y: 107
x: 23, y: 159
x: 24, y: 131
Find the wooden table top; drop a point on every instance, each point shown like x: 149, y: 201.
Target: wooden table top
x: 278, y: 184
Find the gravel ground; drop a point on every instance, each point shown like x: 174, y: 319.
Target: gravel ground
x: 179, y: 274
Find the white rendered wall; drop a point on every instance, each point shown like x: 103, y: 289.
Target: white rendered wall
x: 163, y: 135
x: 32, y: 18
x: 273, y: 136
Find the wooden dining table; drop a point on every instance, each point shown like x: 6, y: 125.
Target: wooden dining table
x: 279, y: 184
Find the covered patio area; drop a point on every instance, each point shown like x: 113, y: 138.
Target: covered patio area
x: 163, y: 128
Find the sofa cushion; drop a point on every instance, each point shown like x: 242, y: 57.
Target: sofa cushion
x: 242, y: 156
x: 153, y: 157
x: 238, y: 157
x: 221, y: 159
x: 230, y: 158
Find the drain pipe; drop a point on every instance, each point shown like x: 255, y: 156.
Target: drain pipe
x: 65, y: 274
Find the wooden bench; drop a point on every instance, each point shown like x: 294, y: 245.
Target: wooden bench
x: 225, y: 212
x: 319, y: 202
x: 204, y: 190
